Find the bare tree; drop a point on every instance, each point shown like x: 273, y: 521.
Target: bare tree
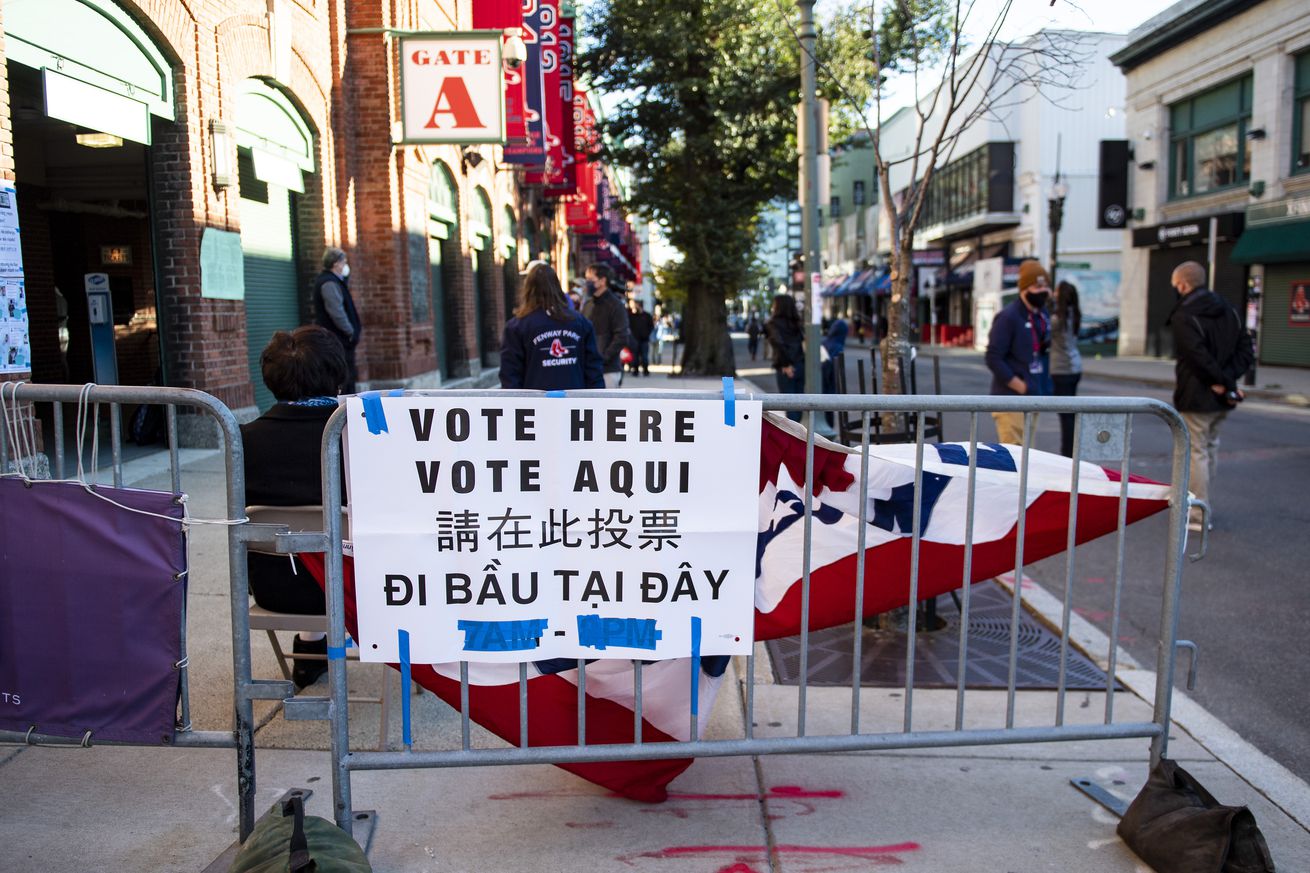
x: 926, y: 41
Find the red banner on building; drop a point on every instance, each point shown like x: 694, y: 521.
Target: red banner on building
x: 562, y: 181
x: 507, y: 15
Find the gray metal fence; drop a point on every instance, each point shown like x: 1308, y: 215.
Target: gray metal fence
x: 50, y: 403
x: 1104, y: 432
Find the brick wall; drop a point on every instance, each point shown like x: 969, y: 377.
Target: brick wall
x: 345, y: 86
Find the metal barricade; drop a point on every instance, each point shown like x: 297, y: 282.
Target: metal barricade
x: 90, y: 399
x: 1104, y: 429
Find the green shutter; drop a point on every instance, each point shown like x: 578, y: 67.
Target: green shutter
x: 1281, y: 342
x: 438, y: 281
x: 272, y: 301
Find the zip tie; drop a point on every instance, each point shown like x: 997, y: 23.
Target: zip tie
x: 292, y: 557
x: 729, y: 402
x: 336, y: 653
x: 555, y: 393
x: 183, y: 664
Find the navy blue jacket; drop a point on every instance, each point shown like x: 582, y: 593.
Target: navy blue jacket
x: 1010, y: 349
x: 540, y: 352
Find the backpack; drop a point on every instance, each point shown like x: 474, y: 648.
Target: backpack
x: 1229, y: 343
x: 287, y: 841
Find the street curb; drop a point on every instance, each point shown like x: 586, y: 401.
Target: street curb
x: 1279, y: 785
x: 1299, y: 401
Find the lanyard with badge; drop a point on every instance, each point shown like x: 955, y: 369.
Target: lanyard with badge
x: 1037, y: 328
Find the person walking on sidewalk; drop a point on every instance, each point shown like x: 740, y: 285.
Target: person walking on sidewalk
x: 546, y: 345
x: 642, y: 326
x: 1066, y: 361
x: 786, y: 337
x: 1212, y: 351
x: 1018, y: 347
x: 753, y: 331
x: 334, y: 308
x: 607, y: 314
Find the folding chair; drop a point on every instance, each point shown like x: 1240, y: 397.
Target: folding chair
x: 307, y: 518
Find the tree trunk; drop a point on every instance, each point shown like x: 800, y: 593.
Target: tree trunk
x: 707, y: 347
x: 896, y: 347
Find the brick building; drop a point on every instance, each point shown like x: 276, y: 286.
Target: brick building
x: 179, y: 146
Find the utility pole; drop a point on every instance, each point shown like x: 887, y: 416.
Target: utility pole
x: 809, y: 144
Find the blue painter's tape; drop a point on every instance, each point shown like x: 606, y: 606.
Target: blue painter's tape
x: 729, y: 402
x: 404, y: 688
x: 503, y: 636
x: 599, y: 633
x: 695, y: 666
x: 374, y: 417
x: 396, y: 392
x: 555, y: 394
x: 336, y: 653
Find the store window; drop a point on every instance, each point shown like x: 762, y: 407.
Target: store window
x: 1301, y: 116
x: 1207, y: 147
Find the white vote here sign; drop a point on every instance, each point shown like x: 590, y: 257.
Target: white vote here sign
x: 520, y: 529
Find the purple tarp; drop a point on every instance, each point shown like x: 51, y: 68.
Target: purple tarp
x: 90, y: 611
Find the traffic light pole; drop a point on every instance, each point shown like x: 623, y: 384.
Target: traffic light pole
x: 810, y: 190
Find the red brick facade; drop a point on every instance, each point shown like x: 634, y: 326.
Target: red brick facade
x: 365, y: 195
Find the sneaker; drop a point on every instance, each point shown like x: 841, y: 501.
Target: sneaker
x: 305, y: 672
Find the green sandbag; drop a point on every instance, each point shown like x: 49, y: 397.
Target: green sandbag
x: 288, y: 841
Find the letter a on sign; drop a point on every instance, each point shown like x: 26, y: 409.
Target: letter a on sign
x: 452, y: 87
x: 453, y: 100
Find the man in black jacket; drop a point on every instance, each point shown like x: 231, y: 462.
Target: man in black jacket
x: 642, y: 326
x: 1213, y: 350
x: 609, y: 317
x: 334, y: 308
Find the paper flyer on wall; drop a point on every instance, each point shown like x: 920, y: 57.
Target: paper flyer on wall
x: 15, y: 346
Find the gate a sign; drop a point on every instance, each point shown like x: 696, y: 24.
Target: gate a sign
x: 452, y: 87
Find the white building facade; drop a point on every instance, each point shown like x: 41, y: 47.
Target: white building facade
x: 991, y: 194
x: 1218, y: 100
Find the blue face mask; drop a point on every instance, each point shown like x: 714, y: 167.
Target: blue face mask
x: 591, y: 287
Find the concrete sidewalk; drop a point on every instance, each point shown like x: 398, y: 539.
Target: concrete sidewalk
x: 1000, y: 808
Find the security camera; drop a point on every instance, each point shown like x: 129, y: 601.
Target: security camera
x: 515, y: 51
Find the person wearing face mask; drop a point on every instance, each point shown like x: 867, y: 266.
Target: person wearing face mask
x: 607, y: 314
x: 1018, y: 348
x: 334, y: 308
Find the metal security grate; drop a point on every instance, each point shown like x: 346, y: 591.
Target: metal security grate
x: 937, y: 653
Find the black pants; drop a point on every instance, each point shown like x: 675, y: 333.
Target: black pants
x: 278, y: 589
x: 1066, y: 385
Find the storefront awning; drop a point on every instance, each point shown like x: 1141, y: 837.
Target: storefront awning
x: 1278, y: 243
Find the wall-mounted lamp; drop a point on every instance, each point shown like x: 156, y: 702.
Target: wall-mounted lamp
x: 1146, y: 165
x: 1257, y: 188
x: 470, y: 157
x: 98, y: 140
x: 1256, y: 134
x: 220, y: 155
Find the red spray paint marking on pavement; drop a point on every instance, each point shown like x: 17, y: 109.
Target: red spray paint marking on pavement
x: 876, y: 856
x: 1092, y: 614
x: 778, y: 792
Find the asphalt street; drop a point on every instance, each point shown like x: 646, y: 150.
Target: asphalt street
x: 1245, y: 604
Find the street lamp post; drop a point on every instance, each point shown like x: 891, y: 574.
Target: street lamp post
x: 1059, y: 191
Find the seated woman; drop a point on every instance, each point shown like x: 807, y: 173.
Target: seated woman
x: 304, y: 369
x: 547, y: 345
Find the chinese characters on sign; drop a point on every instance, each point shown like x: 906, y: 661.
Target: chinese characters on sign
x: 526, y: 529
